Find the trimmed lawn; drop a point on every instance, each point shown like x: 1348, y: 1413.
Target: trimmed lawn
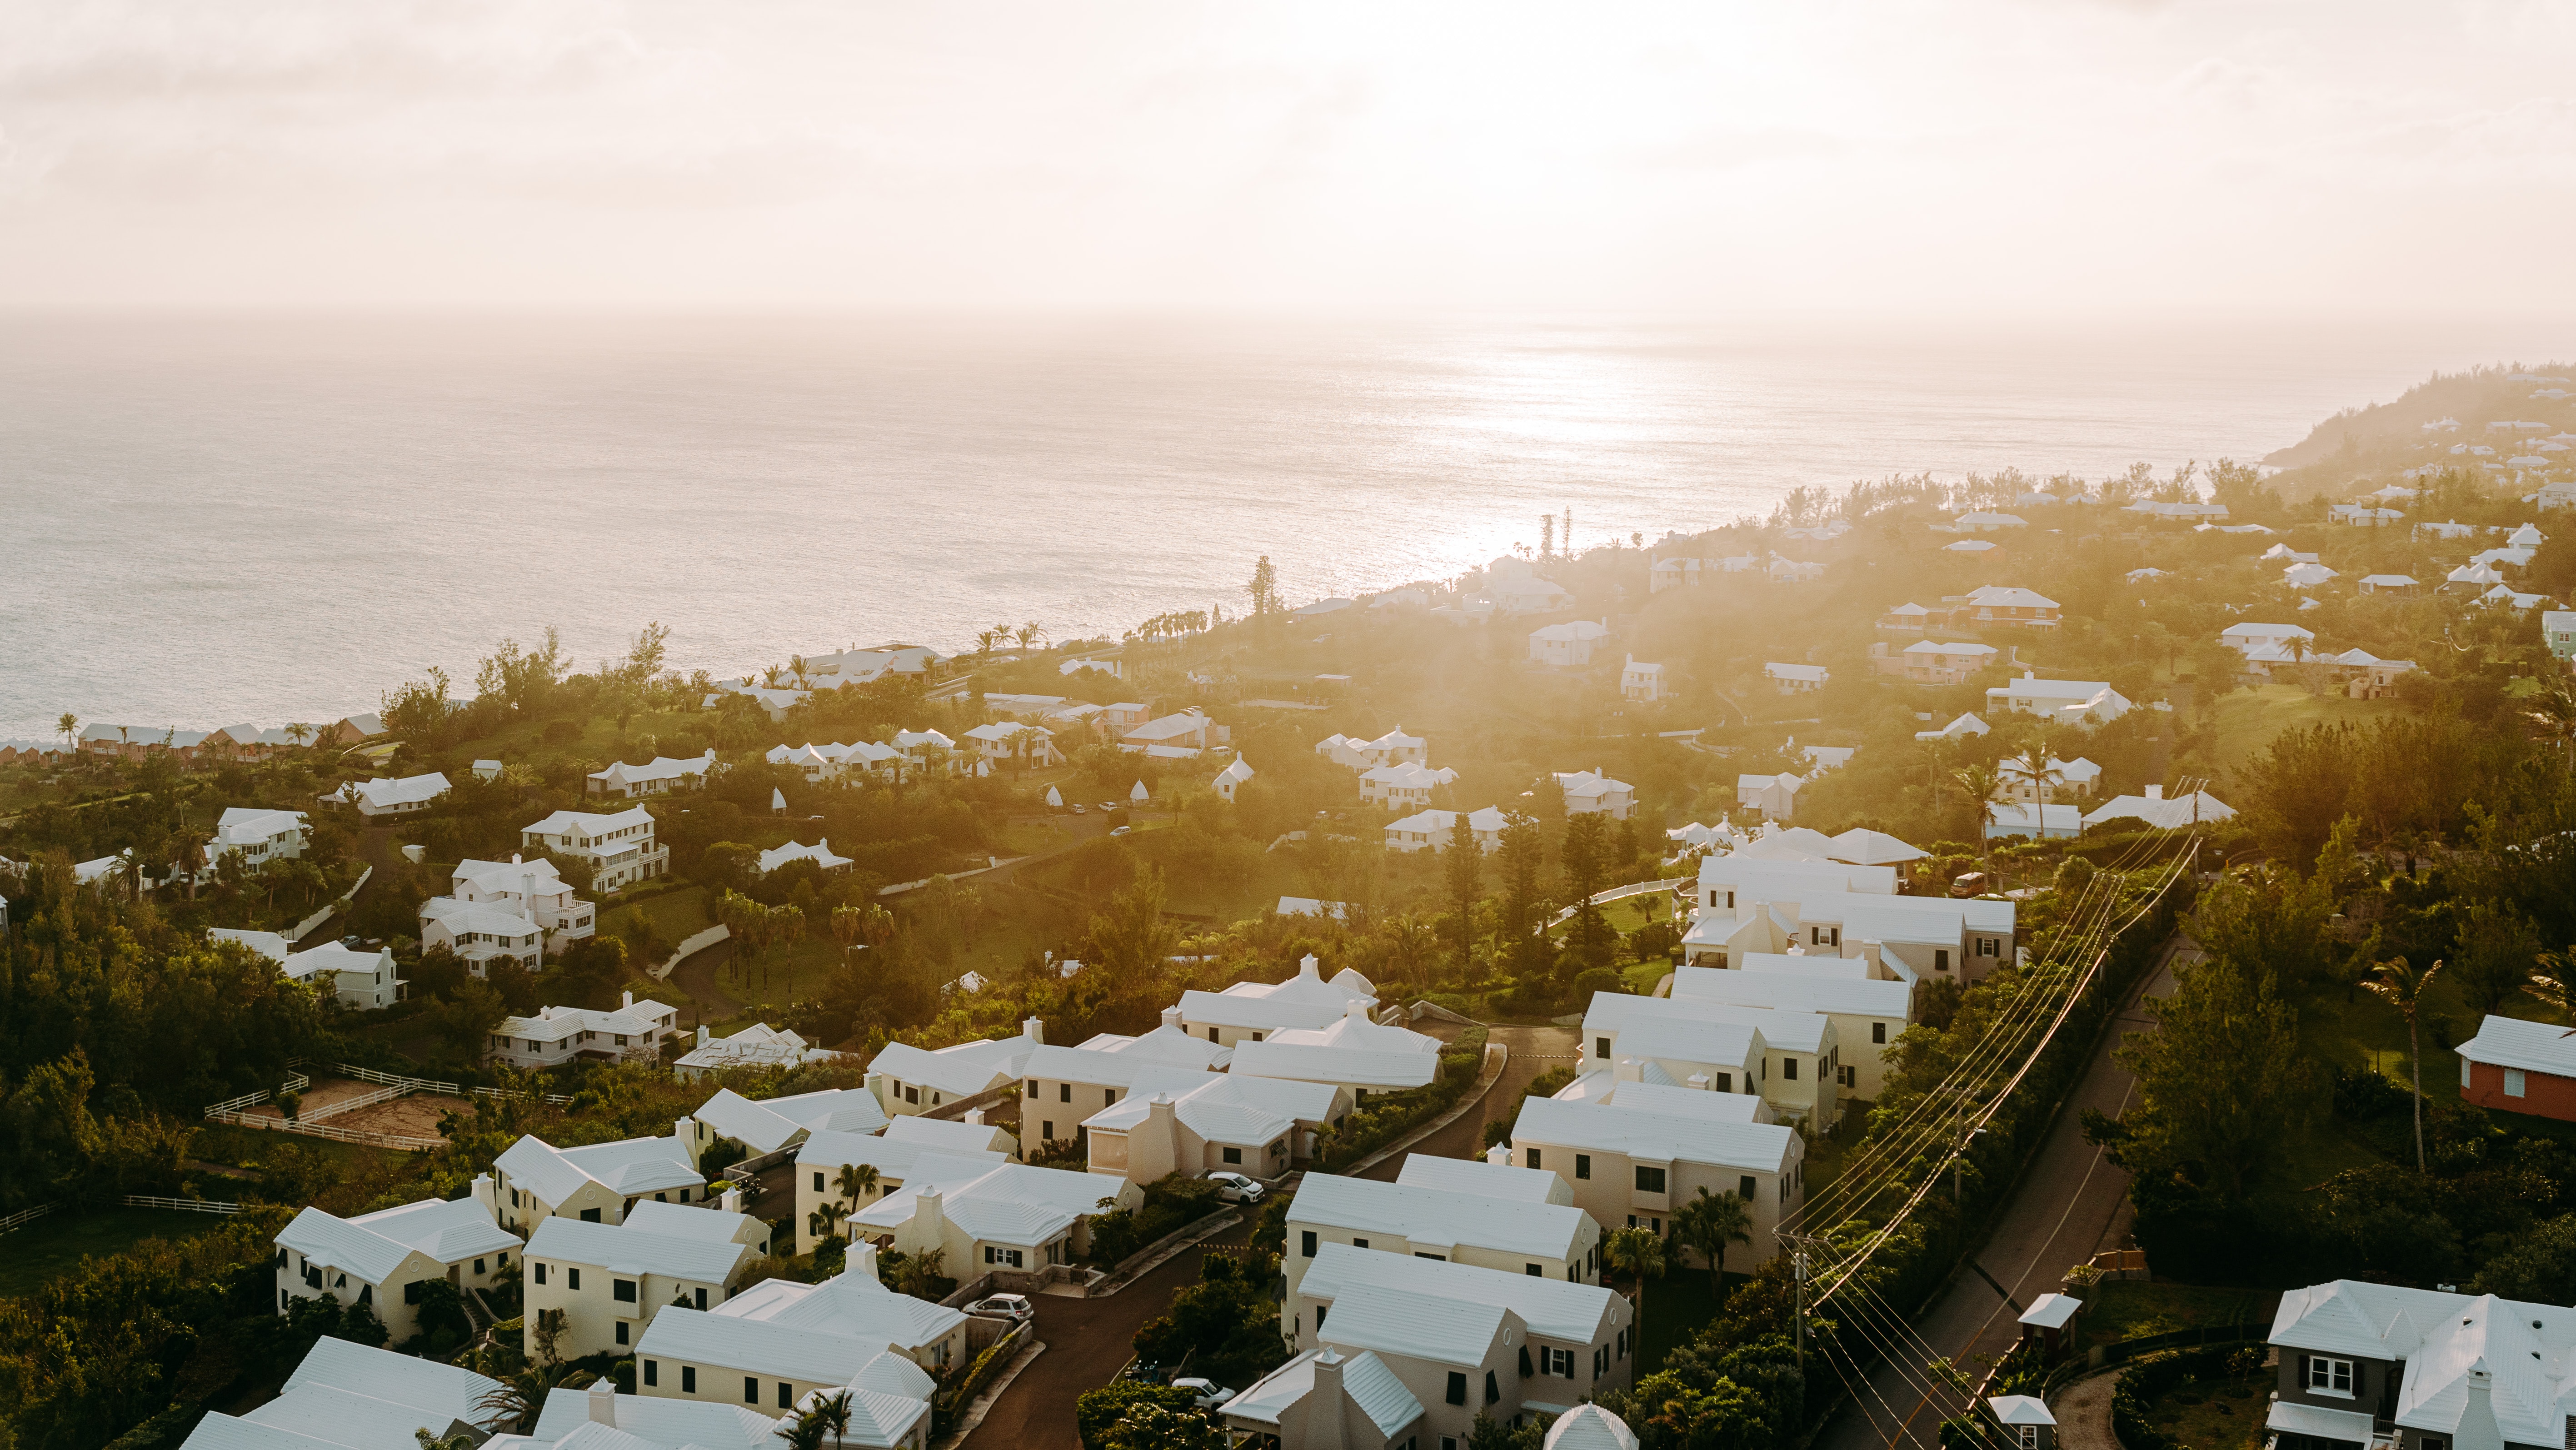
x: 1676, y: 1308
x: 2249, y: 719
x: 2131, y: 1308
x: 2220, y: 1414
x: 54, y: 1245
x: 674, y: 916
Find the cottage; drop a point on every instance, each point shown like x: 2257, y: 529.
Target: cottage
x: 1567, y: 645
x: 1775, y: 796
x: 1209, y: 1123
x: 631, y: 1032
x: 361, y: 980
x: 1959, y: 729
x: 1398, y: 786
x: 598, y: 1183
x: 381, y: 1259
x: 1632, y: 1163
x: 2007, y: 819
x: 1013, y: 1219
x: 346, y: 1396
x: 2155, y: 810
x: 1906, y: 618
x: 1640, y: 682
x: 1432, y: 830
x: 660, y: 777
x: 759, y: 1045
x: 1179, y: 736
x: 2070, y: 702
x: 2558, y: 631
x: 380, y: 797
x: 1396, y: 1221
x: 2005, y: 606
x: 256, y: 836
x: 1793, y: 679
x: 1867, y: 1014
x: 877, y: 1167
x: 1931, y: 662
x: 609, y: 1280
x: 2520, y: 1067
x: 1589, y: 792
x: 1235, y: 774
x: 1250, y: 1011
x: 772, y: 1344
x: 2387, y: 584
x: 618, y: 848
x: 2447, y: 1369
x: 908, y: 1080
x: 1351, y: 1053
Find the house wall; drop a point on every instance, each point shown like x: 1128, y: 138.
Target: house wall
x: 1052, y: 1109
x: 593, y: 1312
x: 2375, y: 1385
x: 1429, y: 1380
x: 388, y: 1299
x: 902, y: 1099
x: 1296, y: 1319
x: 2544, y: 1095
x: 1605, y: 1187
x: 520, y: 1214
x: 810, y: 1196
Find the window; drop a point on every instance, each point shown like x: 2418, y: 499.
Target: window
x: 1359, y: 1243
x: 1534, y: 1271
x: 1649, y: 1180
x: 622, y: 1290
x: 572, y: 1277
x: 1941, y: 961
x: 1726, y: 1082
x: 1109, y: 1097
x: 1582, y: 1165
x: 1526, y: 1371
x: 2513, y: 1082
x: 411, y: 1292
x: 366, y: 1293
x: 1493, y: 1391
x: 588, y: 1215
x: 750, y: 1390
x: 786, y: 1395
x: 1233, y: 1155
x: 621, y: 1331
x: 1988, y: 947
x: 818, y: 1180
x: 1046, y: 1129
x: 541, y: 1273
x: 1306, y: 1244
x: 1601, y: 1047
x: 1256, y: 1037
x: 1064, y: 1092
x: 478, y: 1266
x: 1788, y: 1069
x: 1319, y: 1316
x: 652, y: 1371
x: 688, y: 1379
x: 1560, y: 1362
x: 1533, y: 1157
x: 2029, y: 1435
x: 1878, y: 1033
x: 1211, y: 1034
x: 1745, y: 1187
x: 2332, y: 1376
x: 912, y: 1095
x: 1457, y: 1388
x: 1033, y: 1087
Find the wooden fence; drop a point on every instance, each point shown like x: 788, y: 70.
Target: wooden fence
x: 182, y: 1205
x: 26, y: 1216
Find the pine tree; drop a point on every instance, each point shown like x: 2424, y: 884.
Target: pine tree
x: 1264, y: 588
x: 1524, y: 941
x: 1585, y: 854
x: 1465, y: 868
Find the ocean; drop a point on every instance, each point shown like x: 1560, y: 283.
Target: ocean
x: 212, y: 520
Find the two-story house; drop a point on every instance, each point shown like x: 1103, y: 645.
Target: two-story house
x: 1568, y: 645
x: 772, y: 1344
x: 1868, y: 1014
x: 2419, y: 1369
x: 1210, y: 1122
x: 908, y: 1080
x: 407, y: 796
x: 1432, y: 830
x: 1062, y: 1086
x: 361, y: 980
x: 1589, y: 792
x: 2067, y: 702
x: 1641, y: 681
x: 633, y: 1032
x: 533, y: 1180
x: 1641, y: 1154
x: 1793, y: 1060
x: 381, y: 1259
x: 256, y: 835
x: 618, y: 848
x: 1251, y: 1011
x: 886, y: 1167
x: 1402, y: 786
x: 1511, y: 1235
x: 610, y: 1279
x: 621, y: 781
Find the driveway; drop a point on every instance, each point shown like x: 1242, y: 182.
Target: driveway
x: 1535, y: 1050
x: 2072, y: 1203
x: 1087, y: 1342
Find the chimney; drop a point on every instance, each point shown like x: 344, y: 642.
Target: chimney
x: 603, y: 1402
x: 514, y: 859
x: 975, y: 1117
x: 629, y: 1000
x: 1158, y: 1110
x: 731, y: 1202
x: 1499, y: 1155
x: 862, y: 1261
x: 1306, y: 969
x: 1034, y: 1030
x: 703, y: 1035
x: 2155, y: 792
x: 1172, y: 1018
x: 1700, y: 1082
x: 486, y: 1195
x: 1324, y: 1416
x: 2478, y: 1428
x: 929, y: 1218
x: 686, y: 1130
x: 1355, y: 1010
x: 1625, y: 1070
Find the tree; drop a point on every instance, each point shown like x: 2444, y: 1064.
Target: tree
x: 67, y: 725
x: 2220, y: 1081
x: 2401, y: 986
x: 2496, y: 951
x: 1585, y: 856
x: 2553, y: 709
x: 1264, y: 588
x: 854, y: 1183
x: 803, y: 1430
x: 513, y: 1406
x: 1520, y: 927
x: 1464, y: 866
x: 834, y: 1410
x: 2034, y: 770
x: 1639, y: 1254
x: 1709, y: 1224
x: 1979, y: 783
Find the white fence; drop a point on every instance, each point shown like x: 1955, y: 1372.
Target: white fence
x: 182, y: 1205
x: 26, y: 1216
x: 404, y: 1141
x: 297, y: 932
x: 695, y: 944
x: 295, y: 1083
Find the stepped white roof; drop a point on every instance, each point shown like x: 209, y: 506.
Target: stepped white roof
x: 1440, y: 1216
x: 1552, y: 1308
x: 1365, y: 1378
x: 1656, y: 1136
x: 625, y: 1249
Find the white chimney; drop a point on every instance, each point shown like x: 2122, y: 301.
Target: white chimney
x: 975, y: 1117
x: 1699, y: 1082
x: 731, y: 1202
x: 703, y: 1035
x: 629, y: 1000
x: 1499, y: 1155
x: 930, y: 1217
x: 862, y: 1261
x: 1172, y: 1017
x: 603, y: 1402
x: 514, y: 859
x: 2155, y: 792
x: 1034, y: 1030
x: 1325, y: 1425
x: 1306, y: 969
x: 1355, y: 1010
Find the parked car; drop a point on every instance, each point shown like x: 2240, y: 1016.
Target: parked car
x: 1079, y: 808
x: 350, y: 941
x: 1208, y: 1393
x: 1235, y: 1188
x: 1975, y: 883
x: 1013, y: 1307
x: 1120, y: 830
x: 1109, y: 805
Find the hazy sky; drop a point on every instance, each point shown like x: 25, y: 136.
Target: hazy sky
x: 2044, y: 158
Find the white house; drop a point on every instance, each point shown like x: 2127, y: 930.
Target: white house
x: 618, y: 847
x: 2070, y: 702
x: 1791, y: 679
x: 346, y: 1396
x: 1775, y: 796
x: 1011, y: 1219
x: 381, y: 1259
x: 819, y: 763
x: 2307, y: 576
x: 1251, y: 1011
x: 660, y: 777
x: 1791, y: 1060
x: 610, y: 1280
x: 1589, y: 792
x: 482, y: 933
x: 2154, y: 809
x: 1393, y: 748
x: 1959, y: 729
x: 1569, y: 644
x: 2074, y: 779
x: 362, y: 980
x: 256, y: 835
x: 1935, y: 662
x: 532, y: 890
x: 633, y: 1032
x: 820, y: 853
x: 1188, y: 733
x: 1011, y: 742
x: 534, y: 1180
x: 2037, y: 822
x: 1194, y: 1124
x: 897, y: 1165
x: 759, y: 1045
x: 1632, y: 1165
x: 2000, y: 604
x: 1236, y: 772
x: 1431, y: 830
x: 779, y: 1341
x: 1534, y: 1239
x: 2386, y: 583
x: 1350, y: 1052
x: 1868, y: 1014
x: 2250, y: 636
x: 1641, y: 682
x: 908, y: 1080
x: 1399, y: 786
x: 1062, y: 1086
x: 382, y: 797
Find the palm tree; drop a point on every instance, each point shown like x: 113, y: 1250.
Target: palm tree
x: 825, y: 1222
x: 2402, y: 987
x: 2033, y: 768
x: 1029, y: 631
x: 458, y: 1441
x: 802, y: 1431
x: 520, y: 1397
x: 1709, y: 1224
x: 67, y: 725
x: 2557, y: 988
x: 2554, y: 710
x: 300, y: 733
x: 855, y: 1183
x: 834, y: 1411
x: 1980, y: 782
x: 1639, y: 1254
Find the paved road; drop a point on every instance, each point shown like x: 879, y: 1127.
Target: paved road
x: 1534, y: 1051
x: 1087, y: 1342
x: 2073, y: 1203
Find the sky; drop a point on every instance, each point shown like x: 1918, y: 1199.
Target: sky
x: 2042, y: 159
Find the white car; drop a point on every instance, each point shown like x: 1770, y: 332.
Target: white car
x: 1235, y: 1188
x: 1208, y: 1393
x: 1013, y: 1307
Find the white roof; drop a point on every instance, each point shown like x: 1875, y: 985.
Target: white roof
x: 1655, y: 1136
x: 754, y: 1126
x: 1624, y: 1013
x: 1999, y: 596
x: 2032, y: 687
x: 1589, y: 1427
x: 2051, y: 1311
x: 941, y: 1135
x: 2168, y: 814
x: 895, y: 1160
x: 1936, y: 647
x: 694, y: 1221
x: 2356, y: 1426
x: 589, y: 823
x: 661, y: 768
x: 1320, y: 1062
x: 1433, y: 1216
x: 1365, y: 1378
x: 2530, y: 1046
x: 666, y: 1424
x: 1100, y: 1067
x: 724, y: 1341
x: 1572, y: 630
x: 1551, y: 1307
x: 1475, y: 1175
x: 410, y: 790
x: 1697, y: 1103
x: 517, y: 878
x: 1444, y: 1331
x: 820, y: 853
x: 1968, y: 546
x: 1779, y: 671
x: 447, y: 1229
x: 1863, y: 847
x: 628, y: 1167
x: 1009, y: 1203
x: 1862, y: 997
x: 351, y: 1395
x: 1763, y: 880
x: 2031, y: 1410
x: 337, y: 1243
x: 627, y: 1250
x: 267, y: 943
x: 960, y: 1071
x: 2269, y: 631
x: 1226, y: 1109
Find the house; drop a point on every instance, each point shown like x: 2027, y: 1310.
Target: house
x: 1195, y: 1124
x: 2071, y: 702
x: 1250, y: 1011
x: 1906, y: 618
x: 1326, y: 1398
x: 1011, y: 1220
x: 1827, y: 757
x: 1189, y: 732
x: 1351, y: 1053
x: 1769, y: 906
x: 1528, y: 594
x: 2362, y: 515
x: 763, y: 1129
x: 609, y: 1280
x: 2002, y: 605
x: 759, y: 1045
x: 772, y: 1344
x: 1236, y: 772
x: 819, y: 763
x: 1976, y: 549
x: 1666, y: 574
x: 1791, y: 679
x: 1931, y: 662
x: 482, y: 933
x: 534, y: 1180
x: 1775, y: 796
x: 598, y: 1415
x: 1959, y: 729
x: 2025, y: 1419
x: 1398, y: 786
x: 2249, y: 637
x: 2558, y: 631
x: 895, y: 1165
x: 2512, y: 598
x: 347, y: 1396
x: 2452, y: 529
x: 1492, y: 1176
x: 266, y: 943
x: 820, y: 853
x: 1794, y: 571
x: 362, y: 980
x: 1063, y: 1086
x: 1867, y: 1014
x: 631, y: 1032
x: 1791, y: 1060
x: 1561, y: 1343
x: 1641, y: 682
x: 2365, y: 675
x: 2444, y: 1368
x: 925, y: 750
x: 1519, y: 1236
x: 2386, y: 584
x: 908, y: 1080
x: 2520, y: 1067
x: 1589, y: 792
x: 2153, y: 809
x: 533, y: 891
x: 380, y: 797
x: 970, y: 1134
x: 619, y: 848
x: 1632, y: 1161
x: 2066, y: 780
x: 1004, y: 744
x: 662, y: 776
x: 1979, y: 521
x: 1567, y: 645
x: 2307, y: 576
x: 256, y: 836
x: 381, y: 1259
x: 1431, y: 830
x: 2035, y: 822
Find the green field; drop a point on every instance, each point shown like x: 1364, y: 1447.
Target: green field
x: 2249, y: 719
x: 54, y: 1245
x: 2119, y: 1309
x: 674, y: 916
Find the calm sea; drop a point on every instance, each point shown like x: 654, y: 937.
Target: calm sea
x: 210, y: 521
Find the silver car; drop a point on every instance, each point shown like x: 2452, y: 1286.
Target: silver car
x: 1013, y: 1307
x: 1208, y: 1393
x: 1235, y: 1188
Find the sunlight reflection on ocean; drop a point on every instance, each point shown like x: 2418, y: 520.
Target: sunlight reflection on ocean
x: 212, y: 521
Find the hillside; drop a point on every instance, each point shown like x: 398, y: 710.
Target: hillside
x: 2448, y: 419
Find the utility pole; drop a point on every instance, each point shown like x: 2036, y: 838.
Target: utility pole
x: 1798, y: 1263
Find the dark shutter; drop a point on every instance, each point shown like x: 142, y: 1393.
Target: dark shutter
x: 1526, y: 1372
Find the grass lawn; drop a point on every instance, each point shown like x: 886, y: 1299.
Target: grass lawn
x: 2130, y: 1308
x: 674, y: 916
x: 1677, y: 1306
x: 2221, y: 1414
x: 2249, y: 719
x: 55, y: 1244
x: 239, y: 1147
